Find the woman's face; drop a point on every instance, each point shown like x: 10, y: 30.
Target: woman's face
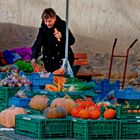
x: 49, y: 22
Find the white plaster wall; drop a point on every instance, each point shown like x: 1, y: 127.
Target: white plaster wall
x: 95, y: 24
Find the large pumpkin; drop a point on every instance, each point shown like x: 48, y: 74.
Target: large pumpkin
x: 39, y: 102
x: 7, y: 116
x: 65, y: 102
x: 55, y: 112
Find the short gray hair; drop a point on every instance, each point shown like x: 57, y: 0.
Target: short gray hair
x: 47, y: 13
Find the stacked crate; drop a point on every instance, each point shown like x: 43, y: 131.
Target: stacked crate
x: 3, y: 75
x: 37, y: 126
x: 103, y: 87
x: 39, y: 82
x: 95, y: 129
x: 5, y: 94
x: 129, y: 118
x: 19, y: 102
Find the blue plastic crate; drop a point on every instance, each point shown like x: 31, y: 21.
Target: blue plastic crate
x: 103, y: 88
x: 23, y: 74
x: 3, y: 75
x: 19, y: 102
x: 99, y: 96
x: 105, y: 85
x: 127, y: 93
x: 38, y: 81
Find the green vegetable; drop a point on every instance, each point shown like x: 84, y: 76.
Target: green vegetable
x: 81, y: 85
x: 24, y: 66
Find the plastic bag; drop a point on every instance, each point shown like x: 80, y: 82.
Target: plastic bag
x: 67, y: 67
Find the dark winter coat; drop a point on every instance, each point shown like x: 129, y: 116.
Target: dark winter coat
x: 53, y: 51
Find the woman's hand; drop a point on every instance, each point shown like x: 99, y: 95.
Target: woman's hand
x: 57, y: 34
x: 33, y: 61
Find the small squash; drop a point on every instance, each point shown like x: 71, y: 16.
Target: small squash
x: 85, y: 103
x: 55, y: 112
x: 94, y: 114
x: 39, y: 102
x: 84, y: 114
x: 94, y: 107
x: 50, y: 87
x: 109, y: 113
x: 7, y: 116
x: 75, y: 111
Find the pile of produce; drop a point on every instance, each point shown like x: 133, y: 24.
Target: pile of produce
x: 24, y: 66
x: 14, y: 80
x: 5, y: 68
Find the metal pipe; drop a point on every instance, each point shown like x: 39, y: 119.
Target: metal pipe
x: 111, y: 61
x: 126, y: 60
x: 67, y: 35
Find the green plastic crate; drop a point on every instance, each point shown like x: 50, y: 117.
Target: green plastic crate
x: 127, y: 113
x: 3, y: 106
x: 134, y: 102
x: 33, y: 111
x: 95, y: 129
x: 6, y: 93
x: 37, y: 126
x: 129, y: 129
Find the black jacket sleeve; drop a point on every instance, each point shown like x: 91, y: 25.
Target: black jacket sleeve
x: 36, y: 48
x: 71, y: 38
x: 61, y: 26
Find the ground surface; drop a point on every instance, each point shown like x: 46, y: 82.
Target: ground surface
x: 10, y: 135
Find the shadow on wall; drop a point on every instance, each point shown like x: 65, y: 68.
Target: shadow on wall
x: 13, y: 36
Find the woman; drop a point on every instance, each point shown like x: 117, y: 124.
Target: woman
x: 51, y: 41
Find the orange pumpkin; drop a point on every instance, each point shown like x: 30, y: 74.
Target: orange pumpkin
x: 55, y: 112
x: 94, y: 107
x: 94, y: 114
x: 84, y: 114
x: 7, y: 116
x: 75, y: 111
x: 80, y: 103
x: 39, y: 102
x: 65, y: 102
x: 109, y: 113
x: 84, y: 103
